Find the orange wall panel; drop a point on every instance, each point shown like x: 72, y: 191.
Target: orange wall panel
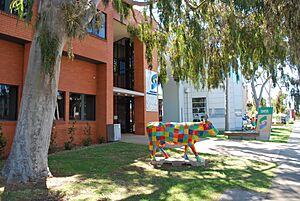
x: 77, y: 76
x: 91, y: 47
x: 61, y: 132
x: 9, y: 26
x: 11, y: 63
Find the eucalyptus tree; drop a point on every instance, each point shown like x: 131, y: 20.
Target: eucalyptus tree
x: 204, y: 40
x: 258, y: 84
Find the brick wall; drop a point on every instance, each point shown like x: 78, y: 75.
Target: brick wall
x: 81, y: 76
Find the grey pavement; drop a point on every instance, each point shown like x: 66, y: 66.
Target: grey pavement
x: 136, y: 139
x: 241, y: 195
x: 286, y: 184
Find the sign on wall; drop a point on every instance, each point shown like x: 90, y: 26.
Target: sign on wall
x: 151, y: 91
x: 264, y: 122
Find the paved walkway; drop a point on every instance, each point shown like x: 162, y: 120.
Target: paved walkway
x: 286, y: 185
x: 136, y: 139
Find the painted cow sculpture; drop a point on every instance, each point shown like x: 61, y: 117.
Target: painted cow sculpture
x: 186, y: 134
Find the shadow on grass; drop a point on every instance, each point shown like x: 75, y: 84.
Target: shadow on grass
x: 122, y: 171
x: 195, y: 183
x: 30, y: 192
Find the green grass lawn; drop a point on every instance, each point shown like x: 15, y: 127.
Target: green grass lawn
x: 121, y: 171
x: 281, y: 133
x: 220, y: 135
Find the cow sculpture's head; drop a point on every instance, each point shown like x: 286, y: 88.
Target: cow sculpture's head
x: 205, y: 128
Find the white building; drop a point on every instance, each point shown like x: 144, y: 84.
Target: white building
x: 183, y: 103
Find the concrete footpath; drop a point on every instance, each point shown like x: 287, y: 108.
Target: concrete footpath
x: 286, y: 185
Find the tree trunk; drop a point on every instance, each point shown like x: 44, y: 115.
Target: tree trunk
x: 258, y: 98
x: 28, y: 160
x: 269, y: 93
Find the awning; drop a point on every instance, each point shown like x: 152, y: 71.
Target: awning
x: 125, y: 92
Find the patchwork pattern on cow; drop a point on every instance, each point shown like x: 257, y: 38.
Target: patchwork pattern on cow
x: 187, y: 133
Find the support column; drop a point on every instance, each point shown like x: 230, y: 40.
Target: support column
x: 142, y: 117
x: 104, y: 99
x: 139, y: 85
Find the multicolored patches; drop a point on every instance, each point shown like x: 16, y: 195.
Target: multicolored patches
x: 178, y: 133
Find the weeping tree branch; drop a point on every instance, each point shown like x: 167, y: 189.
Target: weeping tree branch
x: 194, y: 7
x: 158, y: 23
x: 133, y: 14
x: 137, y: 3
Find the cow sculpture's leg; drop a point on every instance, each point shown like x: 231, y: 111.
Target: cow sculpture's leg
x: 185, y: 156
x: 195, y: 152
x: 154, y: 151
x: 153, y: 154
x: 161, y: 148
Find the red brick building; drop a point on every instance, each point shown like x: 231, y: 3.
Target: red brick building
x: 104, y: 84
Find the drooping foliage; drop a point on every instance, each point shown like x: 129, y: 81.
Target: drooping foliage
x: 203, y: 41
x: 49, y: 48
x: 279, y: 102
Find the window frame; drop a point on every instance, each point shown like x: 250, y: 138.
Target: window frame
x: 105, y: 28
x: 6, y: 6
x: 82, y: 113
x: 197, y: 108
x: 16, y: 103
x: 63, y: 118
x: 14, y: 13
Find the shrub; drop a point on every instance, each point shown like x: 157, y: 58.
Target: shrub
x: 71, y: 132
x: 101, y: 140
x: 68, y: 145
x: 3, y: 141
x: 87, y: 141
x: 291, y: 121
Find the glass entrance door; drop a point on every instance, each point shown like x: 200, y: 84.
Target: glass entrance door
x: 124, y: 113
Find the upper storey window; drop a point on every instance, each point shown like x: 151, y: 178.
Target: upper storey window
x: 97, y: 30
x: 4, y: 6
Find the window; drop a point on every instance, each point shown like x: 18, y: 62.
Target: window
x: 98, y: 30
x: 199, y: 108
x: 217, y: 112
x: 60, y: 106
x: 8, y: 102
x: 82, y: 107
x: 124, y: 64
x: 4, y: 6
